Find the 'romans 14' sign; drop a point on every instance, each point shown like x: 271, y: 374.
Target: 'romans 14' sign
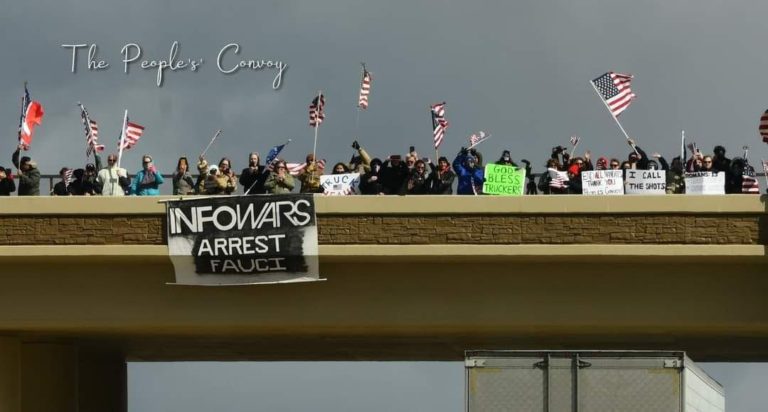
x: 243, y: 239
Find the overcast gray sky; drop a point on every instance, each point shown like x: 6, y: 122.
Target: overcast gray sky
x: 519, y: 70
x: 352, y: 386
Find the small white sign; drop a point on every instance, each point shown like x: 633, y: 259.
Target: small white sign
x: 341, y: 185
x: 705, y: 183
x: 645, y: 182
x: 602, y: 182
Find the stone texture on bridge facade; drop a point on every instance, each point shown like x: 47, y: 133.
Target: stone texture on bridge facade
x: 738, y: 229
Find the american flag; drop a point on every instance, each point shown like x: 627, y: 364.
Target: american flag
x: 615, y: 90
x: 365, y: 89
x: 439, y: 123
x: 317, y: 111
x: 477, y: 138
x: 764, y: 126
x: 749, y: 184
x: 67, y: 177
x: 575, y: 140
x: 31, y: 116
x: 132, y: 133
x: 295, y: 169
x: 558, y: 179
x: 91, y: 133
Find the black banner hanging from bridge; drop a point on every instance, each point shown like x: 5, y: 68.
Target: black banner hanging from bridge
x: 243, y: 239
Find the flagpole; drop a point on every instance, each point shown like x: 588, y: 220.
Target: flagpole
x: 612, y: 115
x: 765, y: 174
x: 682, y: 148
x: 486, y: 138
x: 218, y: 132
x: 317, y: 125
x: 573, y: 149
x: 122, y: 139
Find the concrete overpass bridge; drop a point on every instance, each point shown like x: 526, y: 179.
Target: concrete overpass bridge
x: 83, y: 287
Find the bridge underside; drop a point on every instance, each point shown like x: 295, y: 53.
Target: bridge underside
x: 417, y: 302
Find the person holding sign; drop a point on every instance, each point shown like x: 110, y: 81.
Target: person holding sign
x: 281, y: 181
x: 468, y: 167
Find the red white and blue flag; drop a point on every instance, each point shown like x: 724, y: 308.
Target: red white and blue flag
x: 131, y: 134
x: 763, y: 128
x: 615, y: 90
x: 31, y: 117
x: 317, y: 111
x: 439, y: 123
x: 365, y: 89
x: 477, y: 138
x: 91, y: 133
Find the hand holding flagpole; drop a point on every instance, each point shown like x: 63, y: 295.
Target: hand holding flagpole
x: 614, y: 91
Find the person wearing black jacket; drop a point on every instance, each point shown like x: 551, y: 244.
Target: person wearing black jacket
x: 417, y: 182
x: 371, y: 182
x: 253, y: 177
x: 506, y: 159
x: 7, y: 184
x: 442, y: 177
x: 393, y: 174
x: 638, y: 159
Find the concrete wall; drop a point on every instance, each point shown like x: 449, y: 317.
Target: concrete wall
x: 554, y: 272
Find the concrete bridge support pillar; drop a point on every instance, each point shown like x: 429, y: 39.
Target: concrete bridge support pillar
x: 60, y: 377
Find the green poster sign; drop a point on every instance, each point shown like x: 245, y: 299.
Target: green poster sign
x: 504, y: 180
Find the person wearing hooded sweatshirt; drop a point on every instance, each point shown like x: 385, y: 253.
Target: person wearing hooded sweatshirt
x: 148, y: 180
x: 7, y: 184
x: 254, y: 176
x: 506, y: 159
x: 442, y: 177
x: 29, y: 175
x: 637, y: 159
x: 371, y: 182
x: 468, y: 168
x: 675, y: 176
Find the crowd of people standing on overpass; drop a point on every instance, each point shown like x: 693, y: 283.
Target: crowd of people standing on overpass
x: 394, y: 175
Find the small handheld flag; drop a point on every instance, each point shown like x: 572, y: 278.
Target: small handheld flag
x: 439, y: 123
x: 763, y: 128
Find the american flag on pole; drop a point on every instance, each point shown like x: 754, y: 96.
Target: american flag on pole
x: 132, y: 133
x: 295, y: 169
x: 614, y: 88
x: 764, y: 126
x: 365, y: 89
x: 67, y: 177
x: 477, y: 138
x: 31, y: 116
x: 749, y: 184
x: 317, y: 111
x: 91, y: 133
x: 439, y: 123
x: 575, y: 140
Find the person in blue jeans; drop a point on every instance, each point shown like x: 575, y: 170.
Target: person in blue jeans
x: 148, y: 180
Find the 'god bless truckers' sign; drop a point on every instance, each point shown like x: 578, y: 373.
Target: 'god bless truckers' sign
x: 243, y: 239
